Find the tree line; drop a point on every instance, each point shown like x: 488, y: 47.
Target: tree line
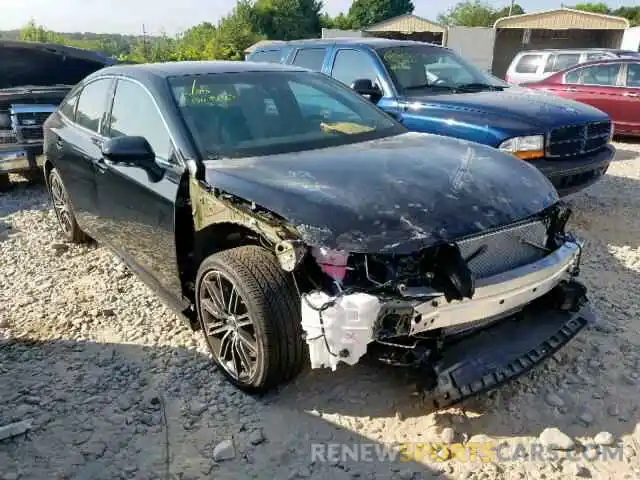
x: 253, y: 20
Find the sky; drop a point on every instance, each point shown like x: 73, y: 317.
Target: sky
x: 171, y: 16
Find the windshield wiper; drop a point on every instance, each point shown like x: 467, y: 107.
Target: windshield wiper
x: 478, y: 86
x: 429, y: 86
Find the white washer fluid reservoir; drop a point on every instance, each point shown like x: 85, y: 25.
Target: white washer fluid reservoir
x: 348, y: 327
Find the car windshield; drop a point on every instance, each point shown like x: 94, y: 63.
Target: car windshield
x: 417, y: 68
x: 263, y: 113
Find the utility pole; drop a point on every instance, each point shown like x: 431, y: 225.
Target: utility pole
x: 511, y: 7
x: 144, y: 44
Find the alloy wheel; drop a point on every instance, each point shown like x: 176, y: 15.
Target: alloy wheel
x: 61, y: 204
x: 228, y: 326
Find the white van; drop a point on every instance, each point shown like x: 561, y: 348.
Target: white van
x: 535, y: 65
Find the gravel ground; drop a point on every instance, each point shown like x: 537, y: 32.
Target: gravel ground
x: 116, y: 387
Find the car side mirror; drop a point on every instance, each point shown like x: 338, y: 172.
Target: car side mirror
x: 366, y: 88
x: 134, y: 151
x: 127, y: 150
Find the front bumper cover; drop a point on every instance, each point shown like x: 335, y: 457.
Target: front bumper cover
x: 499, y: 295
x: 504, y: 351
x: 20, y: 158
x: 576, y: 173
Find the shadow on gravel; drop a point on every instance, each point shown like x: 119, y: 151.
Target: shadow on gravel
x: 117, y: 411
x: 23, y: 196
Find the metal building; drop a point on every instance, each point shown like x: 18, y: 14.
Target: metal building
x: 559, y: 28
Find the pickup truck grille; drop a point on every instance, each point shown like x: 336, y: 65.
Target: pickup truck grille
x: 578, y: 139
x: 31, y: 134
x: 31, y: 118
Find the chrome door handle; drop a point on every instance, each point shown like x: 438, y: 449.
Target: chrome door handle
x: 570, y: 89
x: 631, y: 95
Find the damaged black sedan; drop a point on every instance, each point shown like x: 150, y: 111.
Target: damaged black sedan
x: 294, y: 222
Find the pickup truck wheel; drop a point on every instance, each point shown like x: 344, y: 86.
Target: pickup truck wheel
x: 250, y: 316
x: 5, y: 182
x: 64, y: 211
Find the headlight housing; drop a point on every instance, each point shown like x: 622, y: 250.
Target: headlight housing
x: 526, y: 148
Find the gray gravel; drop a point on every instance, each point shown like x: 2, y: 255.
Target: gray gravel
x: 116, y: 387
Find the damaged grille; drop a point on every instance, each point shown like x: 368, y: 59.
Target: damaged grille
x: 505, y: 249
x: 578, y: 139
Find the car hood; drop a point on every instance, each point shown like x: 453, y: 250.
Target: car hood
x: 31, y: 64
x: 515, y: 109
x: 396, y: 194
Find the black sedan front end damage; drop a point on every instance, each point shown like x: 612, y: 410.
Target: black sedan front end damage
x: 471, y: 314
x: 458, y: 263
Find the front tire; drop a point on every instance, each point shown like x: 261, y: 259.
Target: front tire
x: 249, y: 313
x: 64, y: 210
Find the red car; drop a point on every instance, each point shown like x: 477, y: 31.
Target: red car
x: 612, y: 86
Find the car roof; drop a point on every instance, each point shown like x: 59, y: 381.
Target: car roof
x: 556, y: 50
x: 372, y: 42
x: 178, y: 69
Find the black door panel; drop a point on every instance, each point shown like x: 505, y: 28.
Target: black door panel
x: 137, y: 208
x: 138, y: 218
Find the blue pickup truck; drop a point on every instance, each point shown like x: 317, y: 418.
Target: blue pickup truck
x: 432, y: 89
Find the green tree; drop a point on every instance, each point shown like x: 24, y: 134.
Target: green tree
x: 287, y: 19
x: 364, y: 13
x: 36, y: 33
x: 469, y: 13
x: 504, y: 12
x: 630, y: 13
x: 235, y: 33
x: 592, y: 7
x: 197, y: 43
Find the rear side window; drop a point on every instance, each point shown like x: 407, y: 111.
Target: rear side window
x: 633, y: 75
x: 352, y: 65
x: 566, y: 60
x: 597, y: 56
x: 91, y: 105
x: 606, y: 75
x: 561, y: 61
x: 528, y: 64
x: 267, y: 56
x: 311, y: 58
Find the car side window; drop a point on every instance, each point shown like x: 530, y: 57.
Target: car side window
x: 267, y: 56
x: 352, y: 65
x: 92, y: 103
x: 597, y: 56
x: 134, y: 113
x: 68, y: 107
x: 549, y: 66
x: 604, y: 75
x: 573, y: 76
x: 311, y: 58
x: 528, y: 64
x: 633, y: 75
x: 566, y: 60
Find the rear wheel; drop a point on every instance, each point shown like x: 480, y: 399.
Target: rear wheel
x: 250, y: 316
x: 64, y: 210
